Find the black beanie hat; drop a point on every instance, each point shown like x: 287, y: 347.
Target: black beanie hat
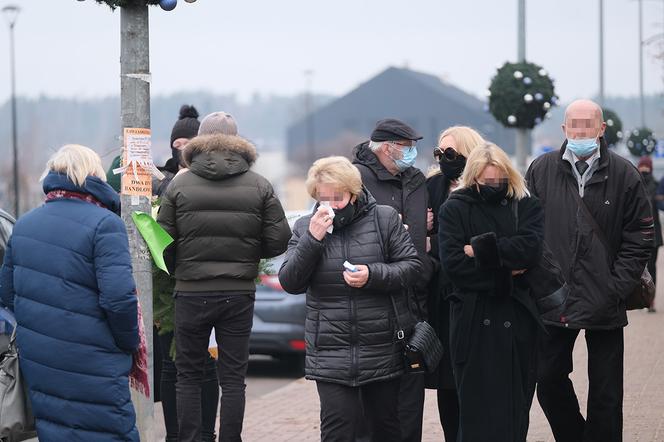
x: 187, y: 124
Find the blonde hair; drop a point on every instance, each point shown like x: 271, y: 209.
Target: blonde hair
x: 466, y: 138
x: 491, y: 155
x: 337, y: 171
x: 77, y: 162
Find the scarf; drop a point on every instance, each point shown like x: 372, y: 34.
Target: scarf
x: 138, y: 375
x: 68, y: 194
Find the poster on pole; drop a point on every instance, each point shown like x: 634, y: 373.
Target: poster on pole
x: 137, y: 168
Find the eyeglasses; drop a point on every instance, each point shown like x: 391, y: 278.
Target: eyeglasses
x: 448, y: 153
x: 403, y: 147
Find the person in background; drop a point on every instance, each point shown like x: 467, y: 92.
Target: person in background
x: 651, y: 184
x: 67, y: 276
x: 386, y: 163
x: 224, y: 218
x: 184, y: 129
x: 353, y: 317
x: 491, y: 232
x: 455, y: 145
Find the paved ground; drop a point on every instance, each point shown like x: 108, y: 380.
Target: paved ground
x: 292, y: 412
x: 264, y: 376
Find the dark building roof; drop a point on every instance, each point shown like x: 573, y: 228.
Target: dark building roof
x: 421, y: 100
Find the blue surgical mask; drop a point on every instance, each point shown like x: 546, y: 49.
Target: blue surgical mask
x: 408, y: 159
x: 582, y: 147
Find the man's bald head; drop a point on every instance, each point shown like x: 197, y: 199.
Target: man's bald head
x: 583, y: 119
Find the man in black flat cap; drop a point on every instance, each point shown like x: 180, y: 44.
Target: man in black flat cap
x: 386, y: 163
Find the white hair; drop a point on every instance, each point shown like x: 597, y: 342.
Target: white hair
x: 375, y: 145
x: 77, y: 162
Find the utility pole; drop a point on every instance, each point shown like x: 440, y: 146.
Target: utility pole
x: 642, y: 107
x: 11, y: 14
x: 135, y: 103
x: 601, y: 53
x: 309, y: 117
x: 522, y: 135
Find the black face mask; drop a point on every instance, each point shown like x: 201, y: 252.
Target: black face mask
x: 452, y: 169
x: 493, y: 194
x: 343, y: 217
x: 177, y: 156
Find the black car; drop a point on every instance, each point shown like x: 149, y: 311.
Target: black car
x: 278, y: 328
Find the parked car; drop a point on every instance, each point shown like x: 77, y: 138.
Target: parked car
x: 278, y: 328
x: 6, y: 225
x: 7, y: 321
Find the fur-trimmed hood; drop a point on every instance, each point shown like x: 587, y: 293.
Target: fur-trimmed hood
x: 219, y: 156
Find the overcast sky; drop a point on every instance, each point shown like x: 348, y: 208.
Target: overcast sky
x: 71, y: 48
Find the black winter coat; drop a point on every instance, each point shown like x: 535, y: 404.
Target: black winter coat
x: 493, y: 319
x: 440, y: 286
x: 351, y: 333
x: 599, y: 280
x: 224, y: 217
x: 407, y: 193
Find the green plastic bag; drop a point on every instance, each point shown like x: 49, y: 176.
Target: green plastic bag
x: 155, y: 237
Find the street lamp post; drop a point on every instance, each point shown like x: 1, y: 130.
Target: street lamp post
x: 601, y: 52
x: 642, y: 109
x: 522, y: 135
x: 11, y: 14
x: 309, y: 117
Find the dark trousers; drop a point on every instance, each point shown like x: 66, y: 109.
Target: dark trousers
x: 231, y: 315
x: 209, y: 392
x: 341, y: 410
x: 448, y: 411
x: 555, y: 391
x: 411, y: 407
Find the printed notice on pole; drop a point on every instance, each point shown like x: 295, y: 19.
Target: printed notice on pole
x: 138, y: 168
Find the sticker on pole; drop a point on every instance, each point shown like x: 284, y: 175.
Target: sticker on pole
x: 155, y: 237
x: 138, y: 167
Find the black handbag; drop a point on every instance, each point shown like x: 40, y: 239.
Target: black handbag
x: 643, y: 294
x: 547, y: 284
x: 423, y: 350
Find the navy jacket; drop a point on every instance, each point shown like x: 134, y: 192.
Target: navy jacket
x: 67, y: 276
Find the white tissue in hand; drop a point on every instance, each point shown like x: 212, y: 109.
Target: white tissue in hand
x: 330, y: 212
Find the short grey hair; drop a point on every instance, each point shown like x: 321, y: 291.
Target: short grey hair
x: 375, y: 145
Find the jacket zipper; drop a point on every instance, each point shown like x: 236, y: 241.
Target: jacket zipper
x: 353, y: 322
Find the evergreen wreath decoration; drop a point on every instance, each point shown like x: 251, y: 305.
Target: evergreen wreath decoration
x: 614, y: 128
x: 521, y: 95
x: 641, y: 142
x: 123, y: 3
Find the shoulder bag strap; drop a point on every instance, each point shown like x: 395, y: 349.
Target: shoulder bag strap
x: 589, y: 216
x: 400, y: 333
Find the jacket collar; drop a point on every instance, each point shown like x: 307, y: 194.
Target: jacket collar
x: 362, y: 154
x: 92, y: 186
x: 604, y: 160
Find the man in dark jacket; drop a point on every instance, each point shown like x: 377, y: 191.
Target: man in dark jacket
x: 224, y: 219
x: 586, y: 174
x: 386, y: 164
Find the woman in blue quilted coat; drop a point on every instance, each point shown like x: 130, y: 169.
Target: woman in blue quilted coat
x: 67, y: 277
